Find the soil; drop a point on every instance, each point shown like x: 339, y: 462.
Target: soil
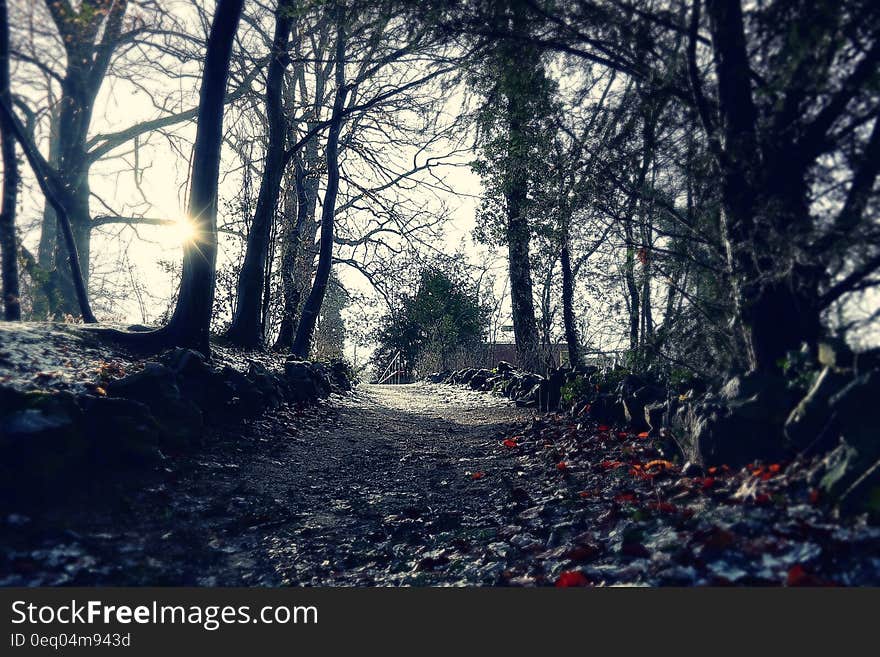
x: 367, y: 488
x: 427, y: 484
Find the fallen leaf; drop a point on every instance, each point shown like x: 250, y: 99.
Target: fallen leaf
x: 799, y: 576
x: 572, y: 578
x: 662, y: 507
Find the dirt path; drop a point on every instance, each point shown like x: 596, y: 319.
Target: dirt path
x: 376, y: 487
x: 411, y: 485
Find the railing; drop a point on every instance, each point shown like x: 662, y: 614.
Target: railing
x: 395, y: 370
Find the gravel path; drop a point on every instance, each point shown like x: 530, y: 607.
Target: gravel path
x: 377, y: 487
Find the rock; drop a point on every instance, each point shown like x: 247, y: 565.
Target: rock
x: 41, y: 442
x: 305, y: 382
x: 198, y: 382
x: 851, y: 472
x: 504, y: 367
x: 156, y: 386
x: 122, y: 432
x: 342, y: 376
x: 743, y: 422
x: 479, y: 378
x: 464, y: 376
x: 811, y: 424
x: 439, y: 377
x: 271, y: 388
x: 635, y: 401
x: 629, y: 384
x: 607, y: 409
x: 525, y: 389
x: 657, y: 415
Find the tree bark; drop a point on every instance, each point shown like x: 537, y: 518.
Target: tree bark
x: 56, y: 194
x: 191, y: 321
x: 306, y: 186
x: 568, y: 320
x: 774, y: 296
x: 8, y: 241
x: 87, y: 64
x: 312, y: 307
x: 246, y: 329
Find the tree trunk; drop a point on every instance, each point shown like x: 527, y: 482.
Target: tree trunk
x: 247, y: 327
x: 571, y: 336
x: 8, y: 242
x: 306, y: 187
x: 312, y: 307
x: 632, y: 289
x: 77, y: 210
x: 191, y: 322
x: 525, y: 330
x: 56, y: 194
x: 49, y: 223
x: 772, y: 299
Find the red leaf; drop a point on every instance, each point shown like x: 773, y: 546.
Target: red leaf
x: 608, y: 465
x: 814, y: 496
x: 603, y: 427
x: 662, y: 507
x: 798, y: 576
x: 510, y: 442
x: 562, y: 466
x: 774, y: 468
x: 644, y: 434
x: 585, y: 494
x: 705, y: 482
x: 478, y: 475
x: 572, y: 578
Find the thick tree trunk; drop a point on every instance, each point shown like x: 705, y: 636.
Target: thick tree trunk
x: 306, y: 328
x: 774, y: 296
x: 191, y: 322
x: 8, y: 241
x: 525, y: 330
x: 247, y: 327
x: 518, y: 235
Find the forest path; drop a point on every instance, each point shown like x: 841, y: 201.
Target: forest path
x: 374, y: 487
x: 377, y: 486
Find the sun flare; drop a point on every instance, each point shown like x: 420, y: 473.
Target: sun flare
x: 183, y: 231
